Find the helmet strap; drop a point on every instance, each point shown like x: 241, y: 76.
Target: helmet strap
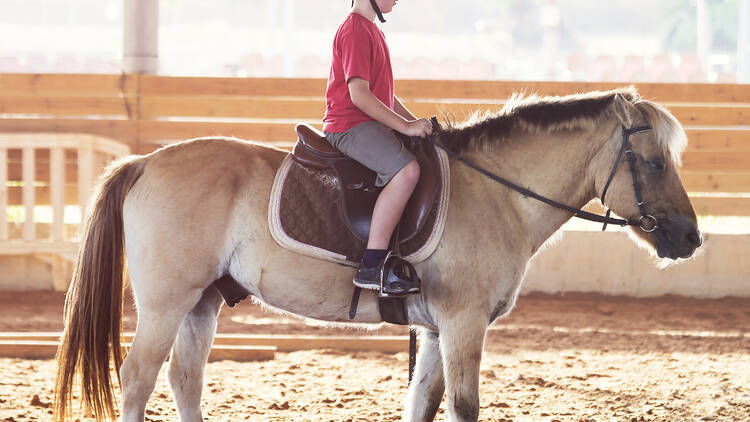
x: 377, y: 10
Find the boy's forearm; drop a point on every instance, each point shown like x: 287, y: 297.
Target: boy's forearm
x: 401, y: 109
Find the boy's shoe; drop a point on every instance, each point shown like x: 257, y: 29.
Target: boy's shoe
x: 369, y: 278
x: 393, y: 276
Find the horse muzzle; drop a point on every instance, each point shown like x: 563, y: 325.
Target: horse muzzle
x: 676, y: 238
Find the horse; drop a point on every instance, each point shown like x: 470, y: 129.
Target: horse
x: 191, y: 212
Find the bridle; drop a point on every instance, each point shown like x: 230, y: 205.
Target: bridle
x: 646, y: 222
x: 628, y: 149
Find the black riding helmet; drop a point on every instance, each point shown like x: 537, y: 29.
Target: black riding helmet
x: 377, y: 10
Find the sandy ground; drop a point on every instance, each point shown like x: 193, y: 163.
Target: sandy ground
x: 556, y: 358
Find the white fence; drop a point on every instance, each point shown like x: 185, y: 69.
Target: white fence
x: 57, y: 248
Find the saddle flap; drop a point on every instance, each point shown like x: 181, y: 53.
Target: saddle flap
x: 428, y: 187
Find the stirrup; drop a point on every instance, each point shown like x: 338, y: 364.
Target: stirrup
x: 398, y: 277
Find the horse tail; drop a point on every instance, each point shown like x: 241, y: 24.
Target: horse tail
x: 90, y: 344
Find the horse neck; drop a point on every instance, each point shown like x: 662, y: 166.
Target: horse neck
x: 554, y: 165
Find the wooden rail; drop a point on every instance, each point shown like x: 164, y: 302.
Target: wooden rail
x: 239, y: 347
x: 145, y: 112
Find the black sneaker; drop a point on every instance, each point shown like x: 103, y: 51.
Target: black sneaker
x: 369, y: 278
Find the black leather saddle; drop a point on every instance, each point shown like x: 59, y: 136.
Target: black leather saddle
x: 358, y: 182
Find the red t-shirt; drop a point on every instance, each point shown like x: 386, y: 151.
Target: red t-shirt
x: 359, y: 50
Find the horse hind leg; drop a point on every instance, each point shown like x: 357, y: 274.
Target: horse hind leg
x: 190, y: 353
x: 427, y: 386
x: 159, y: 318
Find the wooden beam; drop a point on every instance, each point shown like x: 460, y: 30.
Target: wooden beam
x: 24, y: 349
x: 232, y: 107
x: 85, y: 174
x: 28, y: 193
x: 36, y: 349
x: 659, y: 92
x: 711, y: 115
x: 728, y: 162
x: 67, y: 106
x: 724, y: 140
x: 313, y: 109
x: 121, y: 130
x: 167, y: 131
x: 57, y: 193
x: 67, y: 84
x: 444, y: 89
x: 280, y: 342
x: 253, y: 87
x: 108, y: 85
x: 21, y: 247
x: 241, y: 353
x: 238, y: 347
x: 3, y: 193
x: 721, y: 206
x: 709, y: 181
x: 290, y: 343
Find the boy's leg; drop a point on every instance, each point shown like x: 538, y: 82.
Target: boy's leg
x: 390, y: 205
x: 377, y: 147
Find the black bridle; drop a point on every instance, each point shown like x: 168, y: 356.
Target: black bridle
x: 628, y: 149
x: 646, y: 222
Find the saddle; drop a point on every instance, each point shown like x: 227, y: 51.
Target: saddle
x: 358, y: 189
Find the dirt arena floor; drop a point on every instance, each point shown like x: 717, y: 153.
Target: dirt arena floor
x: 577, y: 357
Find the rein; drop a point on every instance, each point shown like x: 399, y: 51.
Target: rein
x: 646, y: 222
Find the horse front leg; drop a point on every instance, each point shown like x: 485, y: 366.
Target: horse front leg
x: 461, y: 343
x: 427, y: 386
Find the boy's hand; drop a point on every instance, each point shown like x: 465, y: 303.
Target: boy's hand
x: 419, y: 127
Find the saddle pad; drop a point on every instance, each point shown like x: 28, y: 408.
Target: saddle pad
x: 304, y: 216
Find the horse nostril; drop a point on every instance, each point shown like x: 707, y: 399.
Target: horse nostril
x: 695, y: 238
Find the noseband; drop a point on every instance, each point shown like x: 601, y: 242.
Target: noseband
x: 646, y: 222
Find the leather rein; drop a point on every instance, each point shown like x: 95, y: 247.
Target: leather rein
x: 646, y: 222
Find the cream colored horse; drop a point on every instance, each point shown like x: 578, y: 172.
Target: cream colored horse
x: 189, y: 213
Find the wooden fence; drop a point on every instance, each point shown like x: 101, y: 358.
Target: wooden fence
x: 144, y: 112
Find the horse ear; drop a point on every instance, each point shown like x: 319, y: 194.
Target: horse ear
x: 623, y: 110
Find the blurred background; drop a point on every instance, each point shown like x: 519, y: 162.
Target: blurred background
x: 555, y: 40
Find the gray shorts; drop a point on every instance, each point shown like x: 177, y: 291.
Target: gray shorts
x: 374, y: 145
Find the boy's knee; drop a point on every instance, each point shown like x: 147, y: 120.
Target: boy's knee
x: 411, y: 172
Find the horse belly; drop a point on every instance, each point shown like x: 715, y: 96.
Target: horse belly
x: 313, y: 288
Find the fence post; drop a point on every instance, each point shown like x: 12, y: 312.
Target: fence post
x: 3, y: 193
x: 57, y: 193
x: 29, y: 230
x: 85, y: 174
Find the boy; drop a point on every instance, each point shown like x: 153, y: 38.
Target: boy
x: 361, y: 114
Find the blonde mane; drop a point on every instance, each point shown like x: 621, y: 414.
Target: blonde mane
x: 485, y: 131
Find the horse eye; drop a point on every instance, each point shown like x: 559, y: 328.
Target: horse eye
x: 656, y: 165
